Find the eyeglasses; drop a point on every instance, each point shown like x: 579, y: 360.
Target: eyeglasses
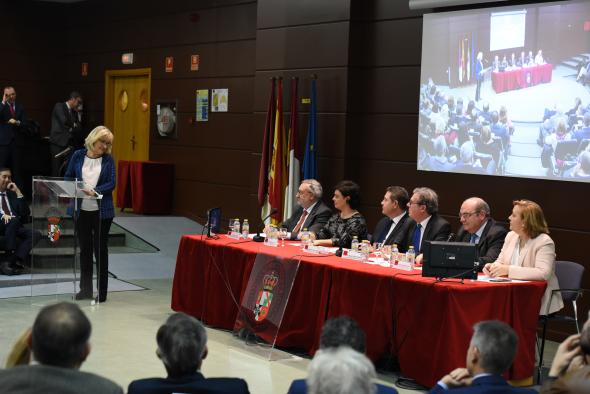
x: 465, y: 215
x: 414, y: 202
x: 105, y: 142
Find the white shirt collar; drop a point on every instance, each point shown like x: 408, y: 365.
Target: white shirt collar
x: 310, y: 208
x: 480, y: 231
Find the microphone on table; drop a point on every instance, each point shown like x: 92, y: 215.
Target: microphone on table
x: 257, y: 237
x: 451, y: 237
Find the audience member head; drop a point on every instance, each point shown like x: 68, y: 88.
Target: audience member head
x: 341, y: 370
x: 486, y: 106
x: 5, y: 178
x: 347, y: 192
x: 583, y: 160
x: 182, y: 345
x: 561, y: 129
x: 422, y: 204
x: 467, y: 152
x: 451, y: 102
x: 395, y: 201
x: 492, y: 348
x: 486, y: 134
x: 60, y: 336
x: 503, y: 114
x: 587, y: 119
x: 101, y: 137
x: 473, y: 214
x: 342, y: 331
x: 470, y: 107
x: 309, y: 192
x: 494, y: 117
x: 527, y: 219
x: 440, y: 146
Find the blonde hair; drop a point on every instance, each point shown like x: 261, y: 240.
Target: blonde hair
x: 20, y: 353
x: 532, y: 217
x: 96, y: 134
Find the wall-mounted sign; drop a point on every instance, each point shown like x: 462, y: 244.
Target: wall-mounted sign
x: 194, y: 62
x: 84, y: 70
x: 127, y: 58
x: 202, y: 105
x: 169, y: 64
x: 219, y: 100
x: 166, y: 119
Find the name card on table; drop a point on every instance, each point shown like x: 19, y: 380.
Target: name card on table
x: 235, y: 235
x: 274, y: 242
x: 353, y: 255
x: 317, y: 249
x: 404, y: 266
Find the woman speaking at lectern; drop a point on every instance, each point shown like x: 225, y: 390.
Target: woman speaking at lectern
x: 95, y: 166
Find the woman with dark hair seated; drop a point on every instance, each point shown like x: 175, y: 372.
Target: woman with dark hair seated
x: 346, y: 224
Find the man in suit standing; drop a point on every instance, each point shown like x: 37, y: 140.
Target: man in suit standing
x: 479, y: 71
x: 393, y: 228
x: 490, y: 353
x: 311, y: 213
x: 65, y: 129
x: 14, y: 212
x: 13, y: 120
x: 428, y: 226
x: 182, y: 346
x: 479, y: 228
x: 59, y: 341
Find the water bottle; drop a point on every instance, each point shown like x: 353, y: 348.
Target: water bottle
x: 366, y: 248
x: 354, y: 245
x: 237, y: 226
x: 305, y: 238
x: 245, y: 229
x: 394, y: 255
x: 411, y: 256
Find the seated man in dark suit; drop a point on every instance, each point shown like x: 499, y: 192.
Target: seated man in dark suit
x: 490, y: 354
x: 479, y: 228
x: 14, y: 212
x: 584, y: 132
x: 59, y: 343
x: 182, y: 346
x: 427, y: 226
x: 311, y: 213
x: 393, y: 229
x: 340, y: 332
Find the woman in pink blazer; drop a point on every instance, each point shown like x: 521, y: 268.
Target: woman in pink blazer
x: 529, y: 253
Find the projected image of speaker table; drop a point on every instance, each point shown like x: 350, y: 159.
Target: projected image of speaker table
x: 504, y: 91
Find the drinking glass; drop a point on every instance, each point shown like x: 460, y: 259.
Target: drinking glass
x: 283, y: 234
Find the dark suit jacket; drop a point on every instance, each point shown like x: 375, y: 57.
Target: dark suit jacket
x: 490, y: 243
x: 64, y: 125
x: 195, y: 383
x: 300, y: 387
x: 399, y: 235
x: 42, y: 379
x: 8, y: 132
x: 18, y: 206
x: 492, y: 384
x: 314, y: 222
x: 437, y: 229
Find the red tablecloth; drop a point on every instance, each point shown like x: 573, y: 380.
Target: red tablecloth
x: 521, y: 77
x: 426, y: 324
x: 145, y: 186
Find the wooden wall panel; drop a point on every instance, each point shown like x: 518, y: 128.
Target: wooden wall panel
x: 279, y: 13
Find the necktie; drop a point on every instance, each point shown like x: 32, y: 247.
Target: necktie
x: 416, y: 238
x: 300, y: 222
x: 5, y: 208
x: 11, y: 106
x: 383, y: 234
x: 473, y: 239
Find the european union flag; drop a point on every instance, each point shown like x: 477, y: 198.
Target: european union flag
x: 310, y: 167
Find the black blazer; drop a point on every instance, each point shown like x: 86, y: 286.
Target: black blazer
x: 490, y: 242
x: 195, y: 383
x: 437, y: 229
x: 399, y: 235
x: 8, y: 132
x: 18, y: 206
x: 315, y: 221
x: 64, y: 125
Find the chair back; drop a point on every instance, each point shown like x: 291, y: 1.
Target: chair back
x: 569, y: 275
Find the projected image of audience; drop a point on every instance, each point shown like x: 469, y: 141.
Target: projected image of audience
x: 506, y: 91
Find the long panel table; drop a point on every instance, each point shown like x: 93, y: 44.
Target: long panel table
x: 521, y: 77
x: 425, y: 324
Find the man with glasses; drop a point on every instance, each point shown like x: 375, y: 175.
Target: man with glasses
x: 428, y: 226
x: 311, y: 212
x: 479, y: 228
